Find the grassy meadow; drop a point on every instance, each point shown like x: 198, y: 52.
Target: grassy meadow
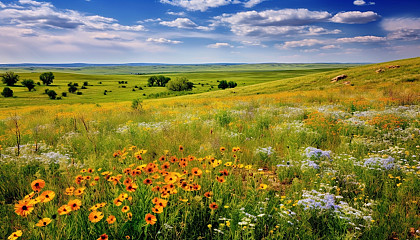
x: 287, y: 154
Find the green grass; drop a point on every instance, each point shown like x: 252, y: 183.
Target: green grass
x: 204, y: 82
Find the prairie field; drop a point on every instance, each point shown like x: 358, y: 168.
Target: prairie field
x: 287, y: 154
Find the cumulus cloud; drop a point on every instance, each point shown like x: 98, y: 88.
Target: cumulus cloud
x: 362, y: 3
x: 181, y: 14
x: 402, y: 28
x: 275, y: 22
x: 2, y: 5
x: 219, y: 45
x: 163, y: 40
x: 252, y: 3
x: 362, y: 39
x: 198, y: 5
x: 180, y: 23
x: 355, y: 17
x: 44, y: 15
x: 301, y: 43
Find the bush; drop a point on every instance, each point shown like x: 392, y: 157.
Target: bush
x: 232, y: 84
x: 7, y: 92
x: 224, y: 84
x: 64, y: 94
x: 10, y: 78
x: 29, y: 83
x: 180, y: 84
x: 52, y: 94
x: 79, y: 93
x: 72, y: 87
x: 47, y: 78
x: 137, y: 104
x: 85, y: 84
x: 83, y: 87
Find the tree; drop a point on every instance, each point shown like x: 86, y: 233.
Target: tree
x: 232, y: 84
x: 223, y: 84
x: 180, y: 84
x: 7, y: 92
x: 72, y: 87
x: 162, y: 80
x: 29, y: 83
x: 151, y: 81
x: 47, y: 78
x: 52, y: 94
x: 10, y: 78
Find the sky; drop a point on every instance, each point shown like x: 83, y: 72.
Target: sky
x: 208, y: 31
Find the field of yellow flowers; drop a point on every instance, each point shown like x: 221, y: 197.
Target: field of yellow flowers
x: 269, y: 167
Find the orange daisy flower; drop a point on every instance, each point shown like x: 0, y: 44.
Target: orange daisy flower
x: 147, y: 181
x: 15, y: 235
x: 157, y: 209
x: 47, y: 196
x: 75, y: 204
x: 196, y: 171
x: 37, y: 185
x: 131, y: 187
x: 69, y: 191
x: 181, y: 148
x: 220, y: 179
x: 43, y: 222
x: 125, y: 209
x: 64, y: 210
x: 150, y: 219
x: 24, y: 207
x: 103, y: 237
x: 95, y: 216
x: 213, y: 206
x: 111, y: 219
x: 79, y: 191
x: 208, y: 194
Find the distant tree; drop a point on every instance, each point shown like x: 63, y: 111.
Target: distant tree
x: 52, y: 94
x: 151, y: 81
x: 72, y: 87
x: 180, y: 84
x: 10, y: 78
x: 162, y: 80
x: 7, y: 92
x: 47, y: 78
x: 28, y: 83
x: 85, y: 84
x: 223, y: 84
x: 232, y: 84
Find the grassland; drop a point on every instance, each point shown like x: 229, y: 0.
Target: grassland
x: 295, y: 158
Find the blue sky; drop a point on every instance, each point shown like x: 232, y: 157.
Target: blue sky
x: 208, y: 31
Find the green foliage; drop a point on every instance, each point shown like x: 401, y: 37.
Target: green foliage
x: 225, y: 84
x: 160, y: 81
x: 7, y: 92
x: 10, y: 78
x: 72, y: 87
x: 47, y: 78
x: 29, y: 83
x: 52, y: 94
x: 180, y: 84
x: 137, y: 104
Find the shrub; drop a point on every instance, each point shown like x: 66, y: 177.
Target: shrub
x: 47, y: 78
x: 64, y: 94
x: 52, y: 94
x: 79, y: 93
x: 10, y: 78
x: 137, y: 104
x: 28, y: 83
x: 180, y: 84
x: 83, y: 87
x: 223, y: 84
x: 72, y: 87
x: 7, y: 92
x: 85, y: 84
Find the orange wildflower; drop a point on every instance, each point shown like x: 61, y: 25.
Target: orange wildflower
x: 111, y: 219
x: 64, y: 210
x: 24, y: 207
x: 47, y: 196
x: 103, y: 237
x: 213, y: 206
x: 43, y: 222
x: 37, y: 185
x: 95, y: 216
x: 75, y: 204
x: 196, y: 171
x: 150, y: 219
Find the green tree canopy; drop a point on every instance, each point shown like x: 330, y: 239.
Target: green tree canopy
x: 28, y: 83
x: 10, y: 78
x: 180, y: 84
x: 47, y: 78
x: 7, y: 92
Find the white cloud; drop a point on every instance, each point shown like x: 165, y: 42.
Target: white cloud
x: 362, y: 39
x: 2, y: 5
x: 301, y: 43
x: 197, y: 5
x: 355, y: 17
x: 362, y: 3
x: 180, y: 23
x: 275, y: 22
x: 181, y: 14
x: 402, y: 28
x: 219, y: 45
x: 163, y: 40
x: 44, y: 15
x: 331, y: 46
x: 252, y: 3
